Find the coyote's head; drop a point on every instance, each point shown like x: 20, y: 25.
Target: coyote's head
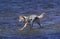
x: 21, y: 18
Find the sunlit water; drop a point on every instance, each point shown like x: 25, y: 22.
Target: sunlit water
x: 10, y: 27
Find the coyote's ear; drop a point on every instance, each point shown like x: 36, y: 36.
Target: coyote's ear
x: 22, y: 17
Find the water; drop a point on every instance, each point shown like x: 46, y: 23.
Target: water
x: 11, y: 9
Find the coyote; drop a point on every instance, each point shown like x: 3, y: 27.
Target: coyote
x: 30, y: 20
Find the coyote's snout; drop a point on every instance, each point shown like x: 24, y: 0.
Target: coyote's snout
x: 30, y: 20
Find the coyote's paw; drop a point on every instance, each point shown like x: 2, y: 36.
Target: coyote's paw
x: 21, y: 29
x: 40, y: 27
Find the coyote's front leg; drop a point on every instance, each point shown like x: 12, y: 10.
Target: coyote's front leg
x: 24, y: 26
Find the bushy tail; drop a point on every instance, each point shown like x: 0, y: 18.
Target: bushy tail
x: 42, y: 15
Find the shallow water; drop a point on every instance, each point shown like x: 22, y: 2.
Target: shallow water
x: 10, y: 27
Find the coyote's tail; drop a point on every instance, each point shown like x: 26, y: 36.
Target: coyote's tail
x: 42, y: 15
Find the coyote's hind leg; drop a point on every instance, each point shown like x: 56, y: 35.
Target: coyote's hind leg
x: 31, y: 26
x: 38, y: 22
